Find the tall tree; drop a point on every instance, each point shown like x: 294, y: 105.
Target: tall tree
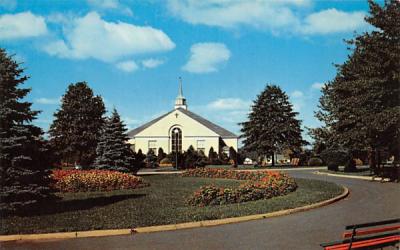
x: 24, y: 177
x: 113, y: 151
x: 272, y: 125
x: 76, y: 128
x: 361, y: 106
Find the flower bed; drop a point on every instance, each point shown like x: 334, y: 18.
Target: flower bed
x: 94, y: 180
x: 259, y: 185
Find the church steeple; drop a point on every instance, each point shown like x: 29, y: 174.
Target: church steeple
x: 180, y: 101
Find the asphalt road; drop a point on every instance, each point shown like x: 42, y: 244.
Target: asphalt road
x: 367, y: 202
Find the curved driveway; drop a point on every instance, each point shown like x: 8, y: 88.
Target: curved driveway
x: 368, y: 201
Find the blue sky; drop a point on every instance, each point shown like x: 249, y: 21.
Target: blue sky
x: 132, y: 52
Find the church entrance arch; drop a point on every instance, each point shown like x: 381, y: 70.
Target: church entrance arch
x: 176, y: 140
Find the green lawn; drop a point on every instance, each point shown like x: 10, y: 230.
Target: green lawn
x: 161, y: 203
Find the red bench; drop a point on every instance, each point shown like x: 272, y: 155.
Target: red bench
x: 368, y: 236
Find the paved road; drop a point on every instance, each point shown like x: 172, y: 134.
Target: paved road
x: 368, y: 201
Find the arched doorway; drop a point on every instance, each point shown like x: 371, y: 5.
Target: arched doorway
x: 176, y: 140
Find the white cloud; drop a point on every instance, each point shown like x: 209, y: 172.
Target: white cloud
x: 48, y: 101
x: 21, y: 25
x: 230, y: 14
x: 278, y: 17
x: 127, y: 66
x: 333, y: 21
x: 111, y: 5
x: 207, y: 57
x: 92, y: 37
x: 152, y: 63
x: 229, y: 104
x: 226, y: 112
x: 297, y: 94
x: 317, y: 85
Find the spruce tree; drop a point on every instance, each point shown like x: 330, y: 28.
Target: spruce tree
x: 76, y: 129
x: 24, y: 176
x: 361, y: 105
x: 113, y: 151
x: 272, y: 125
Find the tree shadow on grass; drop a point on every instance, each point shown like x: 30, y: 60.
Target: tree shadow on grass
x: 61, y: 206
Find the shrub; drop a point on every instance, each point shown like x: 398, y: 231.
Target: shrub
x: 259, y: 185
x: 151, y: 160
x: 359, y: 162
x: 95, y: 180
x: 233, y: 157
x: 350, y: 166
x: 315, y: 161
x: 161, y: 155
x: 333, y: 167
x: 166, y: 162
x: 334, y: 158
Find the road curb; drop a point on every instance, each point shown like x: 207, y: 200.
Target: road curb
x: 161, y: 228
x: 367, y: 178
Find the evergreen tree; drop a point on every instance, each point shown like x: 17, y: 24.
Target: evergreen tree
x: 361, y: 106
x: 151, y: 159
x: 212, y: 156
x: 76, y: 129
x: 113, y: 151
x: 233, y: 157
x: 139, y: 159
x: 161, y: 155
x: 191, y: 157
x: 24, y: 176
x: 272, y: 125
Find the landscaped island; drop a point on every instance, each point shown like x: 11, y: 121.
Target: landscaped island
x: 164, y: 201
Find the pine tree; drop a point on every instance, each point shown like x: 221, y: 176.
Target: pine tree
x: 361, y: 106
x: 272, y: 125
x: 24, y: 176
x: 113, y: 151
x: 76, y: 129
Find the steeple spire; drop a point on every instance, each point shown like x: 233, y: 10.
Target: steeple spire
x: 180, y: 94
x: 180, y: 101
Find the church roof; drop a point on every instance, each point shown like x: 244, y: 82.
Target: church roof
x: 212, y: 126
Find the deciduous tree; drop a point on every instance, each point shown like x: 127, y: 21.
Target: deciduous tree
x: 75, y: 131
x: 361, y: 105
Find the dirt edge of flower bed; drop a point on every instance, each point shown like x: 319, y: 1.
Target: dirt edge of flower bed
x: 160, y: 228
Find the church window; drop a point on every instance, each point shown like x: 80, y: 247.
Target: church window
x: 153, y: 146
x: 201, y: 145
x: 176, y: 140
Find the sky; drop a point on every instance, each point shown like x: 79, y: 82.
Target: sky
x: 133, y: 52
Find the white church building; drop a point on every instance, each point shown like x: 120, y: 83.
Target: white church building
x: 179, y: 129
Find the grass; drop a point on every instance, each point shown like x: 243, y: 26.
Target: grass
x: 161, y: 203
